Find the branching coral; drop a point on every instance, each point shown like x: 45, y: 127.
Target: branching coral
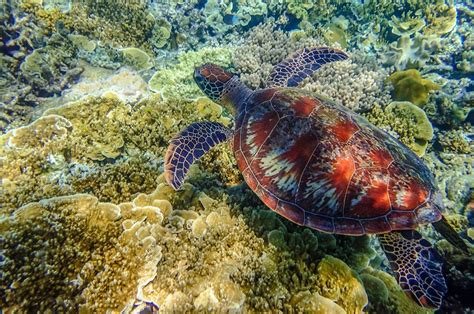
x: 356, y: 86
x: 456, y: 141
x: 264, y: 47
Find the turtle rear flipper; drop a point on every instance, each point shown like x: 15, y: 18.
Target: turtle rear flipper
x: 293, y: 70
x: 417, y: 265
x: 188, y: 146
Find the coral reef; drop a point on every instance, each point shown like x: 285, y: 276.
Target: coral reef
x: 71, y: 149
x: 91, y: 93
x: 179, y: 257
x: 72, y: 246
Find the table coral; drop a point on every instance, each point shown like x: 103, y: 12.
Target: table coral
x: 137, y: 58
x: 82, y: 42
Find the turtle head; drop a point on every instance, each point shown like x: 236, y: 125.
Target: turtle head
x: 221, y: 86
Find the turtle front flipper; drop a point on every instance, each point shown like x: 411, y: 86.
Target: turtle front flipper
x: 292, y: 71
x: 188, y: 146
x: 417, y: 265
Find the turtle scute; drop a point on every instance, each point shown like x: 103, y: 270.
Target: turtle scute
x: 320, y: 165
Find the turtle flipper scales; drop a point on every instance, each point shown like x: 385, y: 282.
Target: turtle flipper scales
x: 417, y: 265
x: 188, y: 146
x: 293, y: 70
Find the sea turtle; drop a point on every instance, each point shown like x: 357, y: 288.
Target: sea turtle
x: 323, y: 166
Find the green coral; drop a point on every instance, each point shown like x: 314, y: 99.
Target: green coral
x: 127, y: 25
x: 98, y: 144
x: 177, y: 81
x: 376, y: 289
x: 48, y: 70
x: 82, y: 42
x: 441, y: 19
x: 407, y: 26
x: 336, y: 32
x: 73, y: 255
x: 409, y: 122
x: 409, y: 52
x: 455, y: 141
x: 444, y: 111
x: 410, y: 86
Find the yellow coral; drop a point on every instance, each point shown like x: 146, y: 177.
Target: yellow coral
x: 422, y: 130
x: 82, y: 42
x: 178, y: 80
x: 341, y: 284
x: 78, y: 247
x: 410, y: 86
x: 408, y: 122
x: 441, y: 19
x: 97, y: 138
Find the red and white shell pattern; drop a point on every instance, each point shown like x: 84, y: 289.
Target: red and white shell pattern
x: 322, y: 166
